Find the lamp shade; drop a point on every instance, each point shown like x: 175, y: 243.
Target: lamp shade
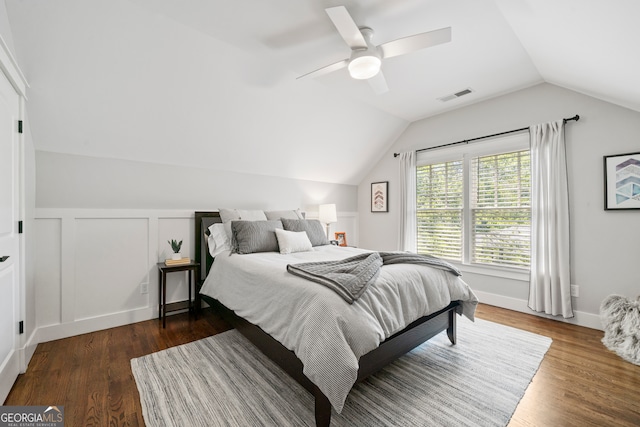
x: 327, y: 214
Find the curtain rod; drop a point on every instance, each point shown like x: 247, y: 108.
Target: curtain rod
x: 466, y: 141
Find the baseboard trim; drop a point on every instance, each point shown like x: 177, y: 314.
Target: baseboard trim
x: 84, y: 326
x: 27, y: 351
x: 581, y: 318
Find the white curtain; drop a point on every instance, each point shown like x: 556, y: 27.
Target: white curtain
x: 407, y: 235
x: 549, y: 289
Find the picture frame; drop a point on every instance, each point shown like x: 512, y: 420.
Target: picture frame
x: 380, y: 196
x: 622, y: 181
x: 341, y: 237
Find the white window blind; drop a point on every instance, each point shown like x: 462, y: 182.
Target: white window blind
x: 439, y: 209
x: 473, y: 203
x: 500, y: 209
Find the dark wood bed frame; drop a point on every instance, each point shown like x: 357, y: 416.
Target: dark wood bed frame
x: 391, y: 349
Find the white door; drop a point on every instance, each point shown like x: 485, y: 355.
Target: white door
x: 9, y: 240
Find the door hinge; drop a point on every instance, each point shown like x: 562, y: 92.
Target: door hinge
x: 21, y: 327
x: 19, y: 227
x: 19, y: 126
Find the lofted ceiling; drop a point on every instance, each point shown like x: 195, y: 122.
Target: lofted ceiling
x: 212, y: 84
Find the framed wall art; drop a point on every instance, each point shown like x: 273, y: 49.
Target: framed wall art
x: 380, y: 196
x: 622, y: 181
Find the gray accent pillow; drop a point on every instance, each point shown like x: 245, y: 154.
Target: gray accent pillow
x: 248, y: 237
x: 313, y: 227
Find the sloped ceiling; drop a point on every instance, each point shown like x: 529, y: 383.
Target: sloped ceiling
x: 213, y: 84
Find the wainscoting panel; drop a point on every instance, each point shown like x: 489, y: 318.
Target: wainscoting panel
x: 111, y: 265
x: 96, y: 269
x: 93, y: 266
x: 48, y: 273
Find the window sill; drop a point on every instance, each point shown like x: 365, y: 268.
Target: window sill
x: 506, y: 273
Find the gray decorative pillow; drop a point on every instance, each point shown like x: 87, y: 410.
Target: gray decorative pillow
x: 248, y: 237
x: 314, y: 229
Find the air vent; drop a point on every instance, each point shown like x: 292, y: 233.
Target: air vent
x: 456, y: 95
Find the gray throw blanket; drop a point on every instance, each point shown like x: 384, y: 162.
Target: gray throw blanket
x: 350, y: 277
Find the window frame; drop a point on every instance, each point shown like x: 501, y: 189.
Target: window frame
x: 466, y: 152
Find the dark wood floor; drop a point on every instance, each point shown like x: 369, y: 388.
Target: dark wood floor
x: 579, y: 383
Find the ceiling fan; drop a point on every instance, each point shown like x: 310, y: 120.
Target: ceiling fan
x: 366, y: 58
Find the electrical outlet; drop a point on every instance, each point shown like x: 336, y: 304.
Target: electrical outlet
x: 575, y: 290
x: 144, y: 288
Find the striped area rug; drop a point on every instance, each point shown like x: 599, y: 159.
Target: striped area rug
x: 224, y: 380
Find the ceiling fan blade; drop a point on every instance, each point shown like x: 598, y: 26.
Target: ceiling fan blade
x: 347, y: 27
x: 326, y: 70
x: 378, y: 83
x: 415, y: 42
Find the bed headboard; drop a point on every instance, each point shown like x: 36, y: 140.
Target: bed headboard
x: 203, y: 222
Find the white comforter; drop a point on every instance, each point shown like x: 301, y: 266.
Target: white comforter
x: 326, y: 333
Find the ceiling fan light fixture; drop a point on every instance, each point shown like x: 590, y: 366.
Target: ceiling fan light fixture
x: 366, y: 58
x: 364, y: 65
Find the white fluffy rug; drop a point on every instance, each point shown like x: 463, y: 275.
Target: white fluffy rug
x: 621, y: 320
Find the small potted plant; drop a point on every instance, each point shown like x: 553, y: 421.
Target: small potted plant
x: 175, y: 245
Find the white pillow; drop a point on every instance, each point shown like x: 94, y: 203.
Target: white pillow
x: 292, y: 214
x: 217, y: 240
x: 251, y: 215
x: 293, y: 241
x: 228, y: 215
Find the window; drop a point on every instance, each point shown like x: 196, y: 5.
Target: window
x: 439, y: 209
x: 473, y: 204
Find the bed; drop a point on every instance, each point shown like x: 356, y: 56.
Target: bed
x: 247, y: 290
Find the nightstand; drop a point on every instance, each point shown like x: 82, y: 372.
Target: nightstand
x: 163, y: 269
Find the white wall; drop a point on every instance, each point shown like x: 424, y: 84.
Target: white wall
x: 605, y: 245
x: 5, y: 27
x: 103, y: 224
x: 128, y: 79
x: 72, y: 181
